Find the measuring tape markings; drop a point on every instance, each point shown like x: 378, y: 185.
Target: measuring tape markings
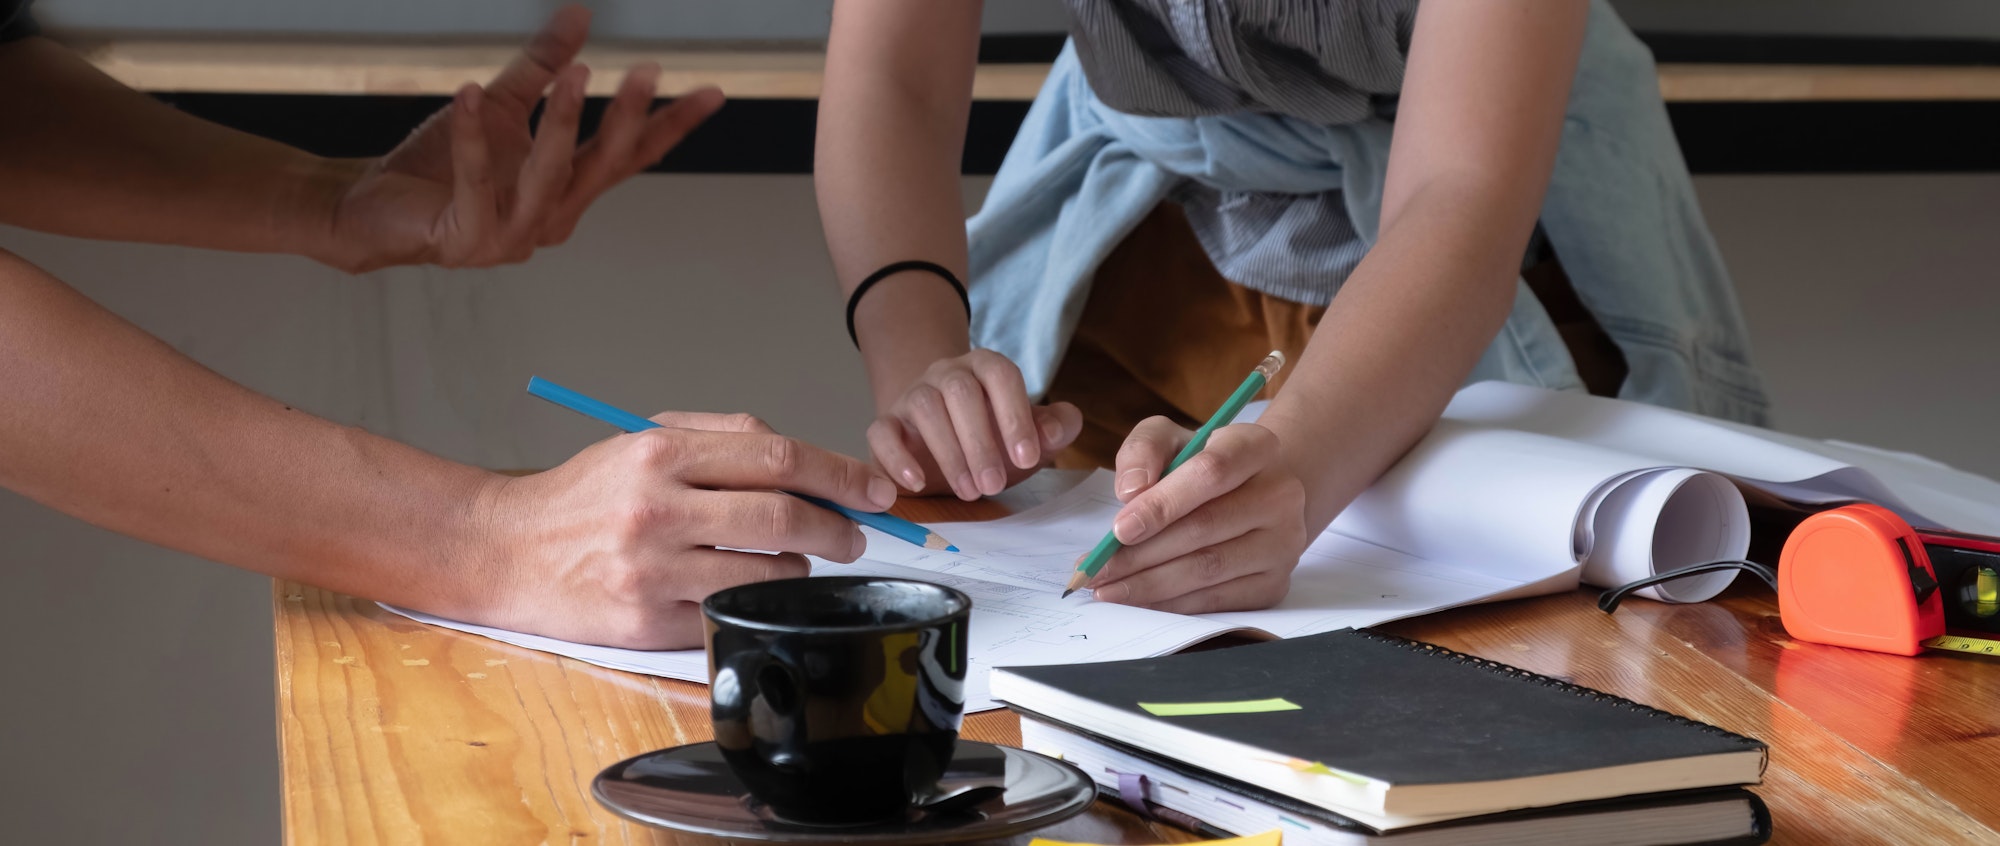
x: 1956, y: 643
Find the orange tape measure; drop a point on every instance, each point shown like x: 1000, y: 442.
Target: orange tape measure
x: 1861, y: 577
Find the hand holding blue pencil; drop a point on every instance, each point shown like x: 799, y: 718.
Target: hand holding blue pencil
x: 888, y: 524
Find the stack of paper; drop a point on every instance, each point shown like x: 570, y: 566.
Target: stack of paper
x: 1520, y: 474
x: 1518, y: 491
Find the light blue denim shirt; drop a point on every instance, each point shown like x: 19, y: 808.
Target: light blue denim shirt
x: 1620, y: 212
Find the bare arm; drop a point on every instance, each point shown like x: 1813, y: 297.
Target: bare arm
x: 886, y: 168
x: 107, y: 423
x: 1475, y: 141
x: 616, y: 546
x: 891, y: 136
x: 86, y: 156
x: 83, y: 155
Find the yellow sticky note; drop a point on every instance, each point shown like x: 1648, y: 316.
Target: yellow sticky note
x: 1197, y: 709
x: 1317, y: 768
x: 1273, y: 837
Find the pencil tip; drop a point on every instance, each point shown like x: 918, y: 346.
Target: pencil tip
x: 1068, y: 592
x: 1076, y: 581
x: 950, y: 548
x: 933, y: 540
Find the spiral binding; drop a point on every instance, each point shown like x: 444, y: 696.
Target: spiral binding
x: 1547, y: 681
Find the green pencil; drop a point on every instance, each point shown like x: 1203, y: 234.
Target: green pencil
x: 1087, y: 568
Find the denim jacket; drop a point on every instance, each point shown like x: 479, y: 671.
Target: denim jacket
x: 1620, y: 212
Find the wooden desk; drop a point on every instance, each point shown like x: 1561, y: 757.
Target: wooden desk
x: 395, y: 732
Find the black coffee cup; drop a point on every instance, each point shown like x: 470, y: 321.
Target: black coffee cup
x: 837, y: 700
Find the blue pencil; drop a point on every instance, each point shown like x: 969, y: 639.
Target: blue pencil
x: 887, y: 524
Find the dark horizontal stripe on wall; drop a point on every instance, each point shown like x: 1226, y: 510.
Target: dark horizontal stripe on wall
x: 1839, y: 137
x: 1818, y: 50
x: 746, y: 136
x: 776, y: 136
x: 1668, y: 47
x: 1021, y: 49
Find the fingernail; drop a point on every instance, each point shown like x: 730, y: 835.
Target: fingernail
x: 1024, y: 454
x: 913, y: 481
x: 992, y: 481
x: 1118, y: 592
x: 964, y: 487
x: 859, y: 546
x: 881, y: 492
x: 1051, y: 431
x: 1130, y: 482
x: 1129, y: 527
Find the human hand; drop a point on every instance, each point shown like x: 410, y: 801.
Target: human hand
x: 473, y: 187
x: 966, y: 425
x: 1222, y: 533
x: 619, y: 545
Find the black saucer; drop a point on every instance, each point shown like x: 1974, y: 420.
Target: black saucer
x: 689, y: 788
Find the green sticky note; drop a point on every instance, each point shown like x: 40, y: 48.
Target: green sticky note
x: 1196, y: 709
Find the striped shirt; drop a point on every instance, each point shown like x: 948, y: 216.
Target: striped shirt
x: 1320, y: 61
x: 1286, y: 205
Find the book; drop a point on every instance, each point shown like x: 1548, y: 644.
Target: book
x: 1215, y: 806
x: 1388, y: 731
x: 1517, y: 491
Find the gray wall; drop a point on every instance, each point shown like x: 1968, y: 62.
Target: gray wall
x: 146, y: 674
x: 1872, y: 302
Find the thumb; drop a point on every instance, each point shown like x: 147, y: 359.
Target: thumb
x: 1058, y: 424
x: 1143, y: 458
x: 747, y: 423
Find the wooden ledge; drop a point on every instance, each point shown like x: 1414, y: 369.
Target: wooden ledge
x: 1689, y: 83
x: 319, y: 67
x: 240, y: 67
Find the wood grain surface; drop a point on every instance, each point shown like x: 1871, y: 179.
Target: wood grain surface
x: 395, y: 732
x: 761, y: 72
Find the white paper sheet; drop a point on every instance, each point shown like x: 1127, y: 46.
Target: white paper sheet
x: 1662, y: 520
x: 1518, y: 491
x: 1508, y: 502
x: 1015, y: 569
x: 1788, y: 466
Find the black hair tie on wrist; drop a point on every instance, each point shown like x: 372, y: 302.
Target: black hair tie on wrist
x: 938, y: 270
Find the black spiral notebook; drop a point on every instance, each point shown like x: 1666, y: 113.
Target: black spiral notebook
x: 1384, y: 730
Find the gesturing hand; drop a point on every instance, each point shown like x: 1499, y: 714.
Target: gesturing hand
x: 1222, y: 533
x: 473, y: 187
x: 619, y: 545
x: 967, y: 426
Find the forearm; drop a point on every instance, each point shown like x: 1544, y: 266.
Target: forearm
x: 1476, y: 136
x: 110, y: 425
x: 83, y: 155
x: 891, y: 135
x: 1398, y: 341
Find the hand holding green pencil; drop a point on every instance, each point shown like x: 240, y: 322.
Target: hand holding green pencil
x: 1218, y: 527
